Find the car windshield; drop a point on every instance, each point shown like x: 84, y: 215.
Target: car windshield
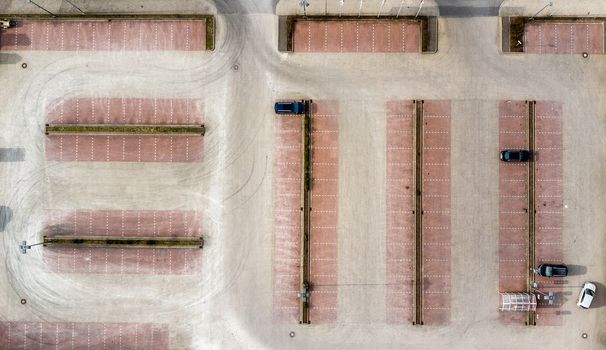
x: 590, y: 292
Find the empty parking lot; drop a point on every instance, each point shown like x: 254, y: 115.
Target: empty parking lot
x: 241, y: 190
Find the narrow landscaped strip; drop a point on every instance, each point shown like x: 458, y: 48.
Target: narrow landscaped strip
x: 126, y: 242
x: 125, y: 129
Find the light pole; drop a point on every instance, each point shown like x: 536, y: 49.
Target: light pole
x: 381, y: 8
x: 419, y: 10
x: 541, y: 10
x: 304, y: 4
x: 360, y: 8
x: 74, y: 6
x: 342, y: 2
x: 400, y: 8
x: 24, y: 246
x: 40, y: 7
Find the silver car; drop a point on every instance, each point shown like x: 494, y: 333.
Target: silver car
x: 586, y: 295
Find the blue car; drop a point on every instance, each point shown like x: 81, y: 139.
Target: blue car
x: 290, y: 107
x: 515, y: 156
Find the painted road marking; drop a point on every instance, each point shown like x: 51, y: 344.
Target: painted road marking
x: 77, y: 335
x: 325, y: 191
x: 287, y: 220
x: 564, y: 38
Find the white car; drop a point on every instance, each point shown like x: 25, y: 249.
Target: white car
x: 586, y: 295
x: 6, y: 23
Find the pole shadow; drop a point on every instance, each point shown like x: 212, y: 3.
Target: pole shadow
x: 16, y: 154
x: 6, y: 215
x: 9, y: 58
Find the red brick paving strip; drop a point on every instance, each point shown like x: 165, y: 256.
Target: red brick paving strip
x: 78, y: 335
x: 130, y: 148
x: 121, y: 223
x: 564, y: 38
x: 287, y: 217
x: 513, y: 218
x: 513, y: 203
x: 324, y: 213
x: 356, y: 36
x: 99, y: 35
x: 436, y: 212
x: 106, y: 110
x: 549, y: 204
x: 399, y: 217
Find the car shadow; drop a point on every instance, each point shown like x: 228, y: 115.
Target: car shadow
x: 600, y: 295
x: 16, y: 39
x: 602, y: 338
x: 576, y: 270
x: 9, y: 58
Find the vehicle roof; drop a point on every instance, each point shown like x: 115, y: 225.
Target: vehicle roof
x: 589, y: 285
x: 587, y: 299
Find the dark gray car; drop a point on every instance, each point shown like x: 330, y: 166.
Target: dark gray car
x: 552, y: 270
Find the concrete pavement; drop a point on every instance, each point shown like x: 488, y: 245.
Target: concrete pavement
x: 228, y: 303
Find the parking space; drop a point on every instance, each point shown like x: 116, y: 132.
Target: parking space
x: 400, y: 218
x: 105, y: 35
x: 400, y: 189
x: 287, y: 217
x: 549, y: 205
x: 128, y: 148
x: 77, y: 335
x: 513, y: 199
x: 356, y: 36
x: 436, y: 212
x: 108, y: 110
x: 122, y: 223
x: 133, y: 279
x: 131, y: 148
x: 513, y: 204
x: 324, y: 212
x: 564, y: 38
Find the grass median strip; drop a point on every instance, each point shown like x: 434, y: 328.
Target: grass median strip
x: 210, y: 33
x: 104, y: 129
x: 306, y: 187
x: 125, y: 242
